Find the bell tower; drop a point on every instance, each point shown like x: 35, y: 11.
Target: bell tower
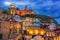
x: 12, y: 9
x: 12, y: 6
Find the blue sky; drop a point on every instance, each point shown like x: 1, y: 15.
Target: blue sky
x: 46, y: 7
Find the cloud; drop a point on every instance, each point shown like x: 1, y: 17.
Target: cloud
x: 18, y: 3
x: 7, y: 3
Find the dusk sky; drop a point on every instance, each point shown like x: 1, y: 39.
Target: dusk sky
x: 46, y: 7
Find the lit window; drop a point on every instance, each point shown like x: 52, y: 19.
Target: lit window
x: 59, y: 37
x: 55, y: 38
x: 47, y: 34
x: 18, y: 25
x: 42, y: 32
x: 36, y: 31
x: 11, y: 12
x: 11, y: 26
x: 50, y: 34
x: 53, y: 34
x: 28, y: 30
x: 31, y: 32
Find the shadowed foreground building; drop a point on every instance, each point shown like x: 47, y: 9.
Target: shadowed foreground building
x: 7, y: 28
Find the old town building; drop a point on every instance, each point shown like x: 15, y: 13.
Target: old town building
x: 23, y: 23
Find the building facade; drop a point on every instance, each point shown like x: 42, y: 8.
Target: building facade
x: 26, y: 26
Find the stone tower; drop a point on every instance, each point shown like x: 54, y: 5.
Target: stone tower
x: 12, y: 9
x: 26, y: 8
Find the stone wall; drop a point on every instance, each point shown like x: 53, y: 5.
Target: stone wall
x: 5, y: 29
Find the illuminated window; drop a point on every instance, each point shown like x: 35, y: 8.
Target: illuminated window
x: 18, y: 25
x: 10, y: 29
x: 53, y: 34
x: 54, y: 38
x: 42, y: 32
x: 59, y: 37
x: 50, y: 34
x: 11, y: 12
x: 11, y: 26
x: 24, y: 23
x: 47, y: 34
x: 36, y: 31
x: 31, y: 32
x: 32, y: 12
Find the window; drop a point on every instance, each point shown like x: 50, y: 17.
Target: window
x: 57, y: 38
x: 53, y: 34
x: 47, y: 34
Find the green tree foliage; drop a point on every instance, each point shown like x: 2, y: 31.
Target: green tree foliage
x: 43, y: 17
x: 5, y: 11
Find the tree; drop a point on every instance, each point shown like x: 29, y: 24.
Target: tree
x: 17, y: 8
x: 5, y: 11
